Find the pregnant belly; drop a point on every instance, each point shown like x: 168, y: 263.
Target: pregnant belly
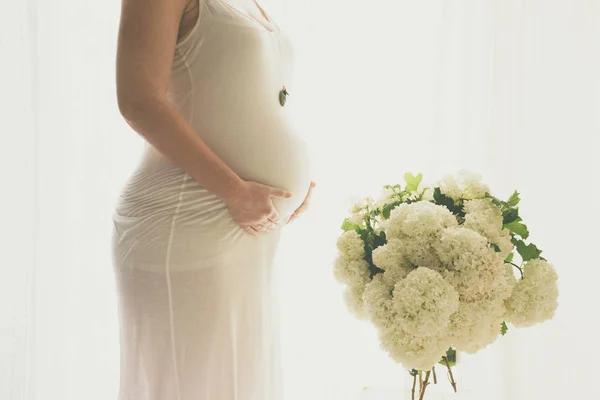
x: 270, y: 154
x: 264, y: 150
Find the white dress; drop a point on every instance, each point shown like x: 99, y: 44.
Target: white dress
x: 197, y: 305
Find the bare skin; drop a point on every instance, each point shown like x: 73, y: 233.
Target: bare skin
x: 148, y: 32
x: 304, y: 206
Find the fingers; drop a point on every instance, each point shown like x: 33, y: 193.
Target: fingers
x: 302, y: 208
x: 276, y: 192
x: 261, y: 227
x: 293, y: 217
x: 268, y: 227
x: 251, y: 230
x: 273, y: 216
x: 296, y: 213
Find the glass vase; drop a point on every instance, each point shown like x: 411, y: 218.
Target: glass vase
x: 443, y: 382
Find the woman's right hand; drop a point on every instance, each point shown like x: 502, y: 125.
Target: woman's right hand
x: 253, y: 209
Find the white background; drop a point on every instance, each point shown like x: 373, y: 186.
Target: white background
x: 509, y: 89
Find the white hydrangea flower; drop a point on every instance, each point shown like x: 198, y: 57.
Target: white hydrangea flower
x: 393, y: 276
x: 511, y: 279
x: 392, y: 260
x: 484, y: 217
x: 476, y: 324
x: 390, y: 256
x: 351, y: 272
x: 377, y: 299
x: 450, y: 187
x: 354, y: 301
x: 420, y: 219
x: 415, y: 227
x: 424, y: 302
x: 472, y: 186
x: 534, y: 298
x: 412, y: 351
x: 472, y: 267
x: 455, y: 241
x: 419, y: 252
x: 466, y: 185
x: 351, y: 246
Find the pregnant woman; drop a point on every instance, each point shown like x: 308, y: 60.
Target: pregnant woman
x: 197, y: 224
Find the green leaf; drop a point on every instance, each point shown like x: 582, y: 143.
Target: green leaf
x: 451, y: 355
x: 349, y: 226
x: 527, y: 252
x: 370, y: 239
x: 510, y: 215
x: 413, y: 372
x: 379, y: 240
x: 443, y: 200
x: 510, y: 258
x: 518, y: 228
x: 496, y: 201
x: 495, y: 247
x: 514, y: 199
x: 503, y: 328
x: 387, y: 209
x: 412, y: 182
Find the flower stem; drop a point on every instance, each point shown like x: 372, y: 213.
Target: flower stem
x: 434, y: 376
x: 424, y: 386
x: 413, y: 387
x: 450, y: 375
x: 519, y: 268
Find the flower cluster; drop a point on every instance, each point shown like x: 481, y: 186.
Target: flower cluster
x: 534, y: 298
x: 464, y: 186
x: 434, y: 269
x: 352, y: 269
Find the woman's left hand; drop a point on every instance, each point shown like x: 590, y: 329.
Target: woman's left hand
x: 304, y: 204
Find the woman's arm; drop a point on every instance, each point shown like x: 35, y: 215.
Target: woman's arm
x: 146, y: 44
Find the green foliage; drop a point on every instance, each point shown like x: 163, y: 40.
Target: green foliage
x: 412, y: 182
x: 503, y: 328
x: 509, y: 258
x: 396, y: 188
x: 510, y: 215
x: 451, y: 355
x: 442, y: 200
x: 510, y: 212
x: 413, y: 372
x: 495, y: 247
x: 514, y: 199
x: 349, y: 226
x: 372, y: 241
x: 518, y: 228
x: 387, y: 209
x: 526, y: 251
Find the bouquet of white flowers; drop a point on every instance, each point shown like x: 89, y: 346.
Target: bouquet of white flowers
x: 435, y: 270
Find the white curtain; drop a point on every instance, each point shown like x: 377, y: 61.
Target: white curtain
x: 506, y: 88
